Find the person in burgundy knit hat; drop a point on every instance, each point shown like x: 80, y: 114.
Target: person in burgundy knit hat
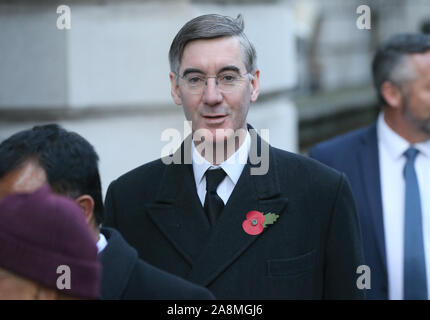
x: 47, y: 250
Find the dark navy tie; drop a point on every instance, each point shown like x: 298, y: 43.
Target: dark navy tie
x: 414, y: 278
x: 213, y: 203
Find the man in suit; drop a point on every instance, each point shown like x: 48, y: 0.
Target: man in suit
x: 388, y: 166
x: 197, y: 218
x: 65, y: 160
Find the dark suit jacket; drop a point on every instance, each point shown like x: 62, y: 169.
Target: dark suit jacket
x: 125, y: 276
x: 311, y: 252
x: 356, y: 154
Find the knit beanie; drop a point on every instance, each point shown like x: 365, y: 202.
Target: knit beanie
x: 43, y: 236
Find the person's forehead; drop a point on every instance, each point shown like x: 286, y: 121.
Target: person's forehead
x: 6, y: 274
x: 213, y: 53
x: 13, y: 282
x: 422, y: 61
x: 27, y: 178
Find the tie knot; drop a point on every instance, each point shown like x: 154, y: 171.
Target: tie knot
x: 214, y: 178
x: 411, y: 153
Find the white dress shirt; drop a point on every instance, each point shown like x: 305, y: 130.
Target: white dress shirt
x: 233, y: 168
x: 392, y: 161
x: 101, y: 243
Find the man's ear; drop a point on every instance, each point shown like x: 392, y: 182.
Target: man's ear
x: 174, y: 89
x: 86, y: 202
x: 255, y: 86
x: 392, y: 94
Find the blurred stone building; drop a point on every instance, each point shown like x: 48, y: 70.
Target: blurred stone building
x: 107, y: 76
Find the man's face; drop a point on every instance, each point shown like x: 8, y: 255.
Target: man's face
x: 416, y: 96
x: 14, y: 287
x: 214, y: 109
x: 27, y: 178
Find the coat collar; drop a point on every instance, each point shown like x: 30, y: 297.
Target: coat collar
x: 179, y: 215
x: 118, y: 260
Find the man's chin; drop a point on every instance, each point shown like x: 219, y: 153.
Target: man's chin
x: 423, y: 126
x: 426, y: 127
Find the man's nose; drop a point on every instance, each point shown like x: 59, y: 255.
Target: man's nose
x: 211, y: 93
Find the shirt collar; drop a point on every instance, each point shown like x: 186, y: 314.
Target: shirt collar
x: 233, y: 166
x: 394, y: 143
x: 101, y: 243
x: 424, y: 148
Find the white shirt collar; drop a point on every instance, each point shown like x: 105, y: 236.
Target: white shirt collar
x: 233, y: 166
x: 394, y: 143
x: 424, y: 148
x: 101, y: 243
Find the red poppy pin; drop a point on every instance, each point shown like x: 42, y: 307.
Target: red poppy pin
x: 256, y: 222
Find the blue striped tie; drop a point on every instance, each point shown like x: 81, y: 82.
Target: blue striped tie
x: 415, y: 281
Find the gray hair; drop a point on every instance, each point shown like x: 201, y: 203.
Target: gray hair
x: 208, y: 27
x: 392, y: 61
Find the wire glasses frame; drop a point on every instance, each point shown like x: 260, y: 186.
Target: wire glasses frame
x: 226, y: 82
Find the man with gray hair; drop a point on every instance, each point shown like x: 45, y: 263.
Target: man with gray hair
x: 290, y: 232
x: 388, y: 165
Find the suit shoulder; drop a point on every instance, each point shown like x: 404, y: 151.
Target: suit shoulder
x: 341, y: 143
x: 304, y: 167
x: 141, y: 175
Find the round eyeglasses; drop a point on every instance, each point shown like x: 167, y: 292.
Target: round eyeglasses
x: 226, y: 82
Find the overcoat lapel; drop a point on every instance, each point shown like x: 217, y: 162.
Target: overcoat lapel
x: 177, y: 211
x: 179, y: 215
